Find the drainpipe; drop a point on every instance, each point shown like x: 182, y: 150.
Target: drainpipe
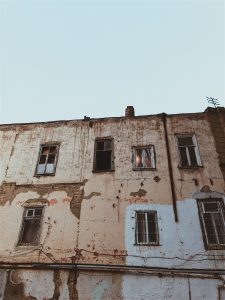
x: 164, y: 120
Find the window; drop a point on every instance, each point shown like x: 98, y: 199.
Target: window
x: 146, y: 228
x: 30, y: 230
x: 103, y: 155
x: 143, y: 157
x: 47, y: 160
x: 188, y: 149
x: 213, y: 224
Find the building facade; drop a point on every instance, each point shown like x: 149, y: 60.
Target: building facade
x: 114, y: 208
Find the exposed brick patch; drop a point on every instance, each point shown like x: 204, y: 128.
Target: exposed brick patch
x: 9, y: 190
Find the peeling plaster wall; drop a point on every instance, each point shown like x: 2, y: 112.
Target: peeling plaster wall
x: 180, y: 244
x: 89, y: 217
x: 57, y: 285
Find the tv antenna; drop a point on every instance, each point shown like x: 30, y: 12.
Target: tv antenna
x: 213, y: 101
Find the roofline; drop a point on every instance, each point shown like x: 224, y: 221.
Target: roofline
x: 103, y: 119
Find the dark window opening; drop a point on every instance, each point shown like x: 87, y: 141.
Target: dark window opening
x: 31, y: 224
x: 144, y: 157
x: 189, y: 155
x: 103, y: 155
x: 47, y: 160
x: 146, y: 228
x: 213, y: 222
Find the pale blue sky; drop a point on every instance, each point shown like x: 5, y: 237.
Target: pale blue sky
x: 67, y: 59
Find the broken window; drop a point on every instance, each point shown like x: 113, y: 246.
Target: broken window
x: 188, y: 149
x: 30, y: 230
x: 47, y: 160
x: 213, y: 223
x: 103, y: 155
x: 146, y: 230
x: 144, y: 157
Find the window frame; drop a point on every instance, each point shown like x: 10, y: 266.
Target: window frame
x: 103, y: 139
x: 221, y: 209
x: 147, y: 243
x: 196, y: 151
x: 22, y: 227
x: 134, y: 149
x: 52, y: 144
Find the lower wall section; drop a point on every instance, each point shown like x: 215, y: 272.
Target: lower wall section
x: 21, y: 284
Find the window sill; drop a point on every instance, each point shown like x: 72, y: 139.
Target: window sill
x: 144, y: 169
x: 148, y: 245
x: 27, y: 246
x: 215, y: 247
x: 40, y: 175
x: 103, y: 171
x: 191, y: 167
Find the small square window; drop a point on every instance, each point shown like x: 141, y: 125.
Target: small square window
x: 30, y: 230
x: 47, y: 160
x: 144, y: 158
x: 188, y: 150
x: 103, y: 160
x: 146, y: 230
x: 211, y: 213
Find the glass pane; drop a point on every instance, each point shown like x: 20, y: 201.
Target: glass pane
x: 218, y: 219
x: 30, y: 213
x: 53, y: 149
x: 42, y: 159
x: 185, y: 141
x: 38, y: 212
x: 51, y: 158
x: 141, y: 228
x: 183, y: 156
x: 49, y: 168
x: 103, y: 160
x: 30, y: 231
x: 152, y: 229
x: 138, y: 158
x: 45, y: 150
x: 100, y: 145
x: 41, y: 169
x: 107, y: 145
x: 210, y: 232
x: 192, y: 155
x: 146, y: 158
x: 211, y: 206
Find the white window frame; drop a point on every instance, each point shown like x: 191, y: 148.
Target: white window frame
x: 152, y: 157
x: 220, y: 211
x: 147, y: 242
x: 196, y: 149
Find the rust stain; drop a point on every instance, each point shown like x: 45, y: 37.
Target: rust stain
x: 92, y: 195
x: 57, y: 282
x: 72, y: 282
x: 139, y: 193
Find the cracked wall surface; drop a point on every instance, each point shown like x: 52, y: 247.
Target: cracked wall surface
x: 89, y: 217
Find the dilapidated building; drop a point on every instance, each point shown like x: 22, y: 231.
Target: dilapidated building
x: 115, y: 208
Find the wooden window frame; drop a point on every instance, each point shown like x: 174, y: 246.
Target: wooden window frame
x: 196, y: 151
x: 27, y: 217
x: 103, y: 139
x: 149, y: 147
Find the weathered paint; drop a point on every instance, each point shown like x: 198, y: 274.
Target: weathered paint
x: 180, y: 244
x: 89, y: 216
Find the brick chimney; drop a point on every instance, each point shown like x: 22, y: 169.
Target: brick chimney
x: 129, y: 112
